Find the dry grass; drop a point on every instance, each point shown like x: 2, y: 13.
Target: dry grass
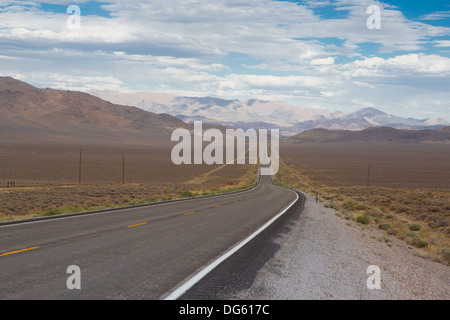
x: 23, y: 203
x: 46, y: 179
x: 398, y: 197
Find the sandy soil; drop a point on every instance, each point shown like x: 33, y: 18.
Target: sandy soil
x: 46, y: 176
x: 326, y: 257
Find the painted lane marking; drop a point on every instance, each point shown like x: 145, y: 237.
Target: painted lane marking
x: 191, y: 281
x: 137, y: 225
x: 14, y: 252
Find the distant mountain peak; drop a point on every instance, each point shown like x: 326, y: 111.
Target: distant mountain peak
x: 290, y: 119
x: 372, y: 110
x: 7, y: 83
x: 366, y: 113
x: 55, y: 114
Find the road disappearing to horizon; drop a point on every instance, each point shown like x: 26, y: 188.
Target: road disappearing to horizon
x: 133, y: 253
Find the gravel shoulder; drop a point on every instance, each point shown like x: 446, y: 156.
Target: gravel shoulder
x: 326, y: 257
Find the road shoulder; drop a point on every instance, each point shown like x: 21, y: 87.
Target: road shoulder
x: 326, y: 257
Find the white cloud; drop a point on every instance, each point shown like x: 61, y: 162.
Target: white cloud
x: 442, y: 43
x: 411, y: 63
x: 182, y: 46
x: 68, y: 82
x: 324, y: 61
x: 440, y: 15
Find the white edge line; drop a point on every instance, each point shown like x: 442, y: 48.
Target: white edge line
x: 178, y: 292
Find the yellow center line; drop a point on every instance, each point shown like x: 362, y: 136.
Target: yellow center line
x: 136, y: 225
x: 235, y: 201
x: 190, y: 213
x: 13, y: 252
x: 218, y: 206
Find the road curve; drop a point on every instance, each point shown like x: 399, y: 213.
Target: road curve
x: 134, y: 253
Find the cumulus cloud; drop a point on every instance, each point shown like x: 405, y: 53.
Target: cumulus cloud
x: 410, y: 65
x: 323, y: 61
x: 442, y: 43
x: 68, y: 82
x: 186, y: 47
x: 440, y: 15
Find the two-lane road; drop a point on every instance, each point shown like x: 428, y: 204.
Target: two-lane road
x: 134, y: 253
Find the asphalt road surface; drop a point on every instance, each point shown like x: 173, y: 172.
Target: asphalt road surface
x: 134, y: 253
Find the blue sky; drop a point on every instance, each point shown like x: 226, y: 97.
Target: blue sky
x: 315, y: 54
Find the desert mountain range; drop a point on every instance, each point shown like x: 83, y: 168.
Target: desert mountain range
x: 264, y: 114
x: 31, y: 114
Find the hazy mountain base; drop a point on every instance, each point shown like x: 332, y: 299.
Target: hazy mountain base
x: 374, y: 134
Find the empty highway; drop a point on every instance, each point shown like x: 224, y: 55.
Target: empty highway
x: 134, y: 253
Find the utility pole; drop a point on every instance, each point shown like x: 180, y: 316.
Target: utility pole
x: 123, y: 169
x: 79, y: 168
